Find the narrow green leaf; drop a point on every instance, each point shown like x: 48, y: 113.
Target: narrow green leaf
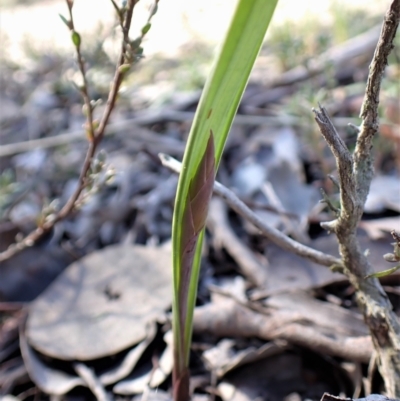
x: 66, y: 22
x: 384, y: 273
x: 116, y: 8
x: 217, y: 108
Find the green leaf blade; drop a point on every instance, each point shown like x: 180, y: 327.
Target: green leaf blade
x: 217, y: 107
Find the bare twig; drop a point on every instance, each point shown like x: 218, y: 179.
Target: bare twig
x: 119, y: 73
x: 355, y: 174
x: 271, y: 233
x: 95, y: 135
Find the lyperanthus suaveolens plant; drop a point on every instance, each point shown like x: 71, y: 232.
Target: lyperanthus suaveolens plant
x: 217, y: 108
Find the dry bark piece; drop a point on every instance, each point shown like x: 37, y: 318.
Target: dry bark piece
x: 101, y: 304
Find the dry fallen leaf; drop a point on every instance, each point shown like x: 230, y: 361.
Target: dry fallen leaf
x: 102, y: 304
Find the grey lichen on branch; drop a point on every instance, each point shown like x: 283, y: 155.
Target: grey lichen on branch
x: 369, y: 110
x: 355, y: 174
x: 351, y: 209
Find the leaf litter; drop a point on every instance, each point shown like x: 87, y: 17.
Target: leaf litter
x: 268, y: 323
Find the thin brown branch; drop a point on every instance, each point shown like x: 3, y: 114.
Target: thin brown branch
x: 95, y: 136
x: 84, y: 89
x: 126, y: 58
x: 112, y: 97
x: 271, y: 233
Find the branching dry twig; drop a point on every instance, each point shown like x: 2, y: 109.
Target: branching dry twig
x: 230, y: 318
x: 355, y: 175
x: 129, y: 53
x: 271, y: 233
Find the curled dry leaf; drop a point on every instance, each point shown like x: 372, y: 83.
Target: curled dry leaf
x: 49, y: 380
x: 57, y: 382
